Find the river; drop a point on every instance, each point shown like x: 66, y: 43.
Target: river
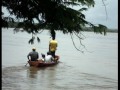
x: 95, y: 69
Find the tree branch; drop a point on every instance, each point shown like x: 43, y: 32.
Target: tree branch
x: 75, y: 45
x: 105, y: 9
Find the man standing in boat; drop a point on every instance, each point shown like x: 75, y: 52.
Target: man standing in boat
x: 53, y: 46
x: 33, y: 55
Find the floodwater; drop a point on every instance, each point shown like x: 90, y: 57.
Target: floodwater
x: 95, y: 69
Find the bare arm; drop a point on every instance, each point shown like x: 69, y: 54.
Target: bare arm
x: 28, y: 56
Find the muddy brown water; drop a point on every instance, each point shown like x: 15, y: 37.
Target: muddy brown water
x: 96, y: 69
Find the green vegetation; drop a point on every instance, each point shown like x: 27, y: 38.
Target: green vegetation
x: 89, y: 29
x: 51, y: 14
x: 54, y: 14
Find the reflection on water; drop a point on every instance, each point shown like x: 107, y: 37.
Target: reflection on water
x: 32, y: 72
x: 60, y: 77
x: 88, y: 71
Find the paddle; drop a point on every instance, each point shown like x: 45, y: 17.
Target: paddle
x: 26, y: 64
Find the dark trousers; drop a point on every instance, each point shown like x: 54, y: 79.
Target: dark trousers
x: 33, y: 59
x: 53, y: 53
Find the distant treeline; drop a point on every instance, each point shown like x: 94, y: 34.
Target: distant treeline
x: 13, y: 25
x: 89, y: 29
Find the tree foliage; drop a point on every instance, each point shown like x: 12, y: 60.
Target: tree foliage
x: 51, y: 14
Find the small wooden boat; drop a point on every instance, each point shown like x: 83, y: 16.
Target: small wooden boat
x: 41, y: 63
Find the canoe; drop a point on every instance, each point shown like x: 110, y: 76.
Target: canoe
x: 41, y: 63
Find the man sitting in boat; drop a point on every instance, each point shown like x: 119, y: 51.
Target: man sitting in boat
x: 47, y: 58
x: 43, y: 57
x: 33, y: 55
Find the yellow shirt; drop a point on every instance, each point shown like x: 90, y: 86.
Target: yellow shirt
x: 53, y: 45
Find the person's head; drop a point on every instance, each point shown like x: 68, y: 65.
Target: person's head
x: 53, y: 34
x: 33, y: 48
x: 48, y: 53
x: 43, y: 55
x: 53, y: 37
